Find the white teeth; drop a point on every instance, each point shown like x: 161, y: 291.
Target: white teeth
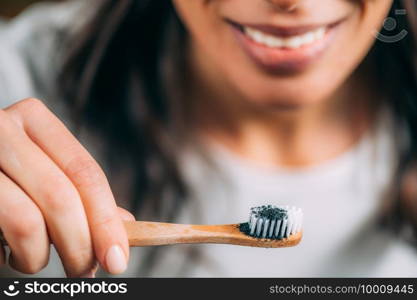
x: 293, y: 42
x: 319, y: 33
x: 310, y: 37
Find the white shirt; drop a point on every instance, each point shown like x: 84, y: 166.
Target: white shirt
x: 341, y: 200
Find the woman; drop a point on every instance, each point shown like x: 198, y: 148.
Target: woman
x: 200, y: 110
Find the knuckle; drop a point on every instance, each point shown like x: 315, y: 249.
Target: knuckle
x: 29, y: 104
x: 20, y: 218
x: 85, y: 172
x: 18, y: 110
x: 24, y: 230
x: 32, y: 267
x: 26, y: 266
x: 5, y: 121
x: 3, y: 115
x: 104, y: 219
x: 58, y: 194
x: 80, y: 261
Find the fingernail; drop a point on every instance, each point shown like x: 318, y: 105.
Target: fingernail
x: 116, y: 260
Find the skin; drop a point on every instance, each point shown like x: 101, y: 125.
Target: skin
x: 52, y: 190
x: 267, y: 117
x: 49, y: 180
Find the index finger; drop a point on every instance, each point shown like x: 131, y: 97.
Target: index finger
x: 50, y: 134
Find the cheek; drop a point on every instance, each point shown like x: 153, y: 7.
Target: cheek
x: 202, y: 20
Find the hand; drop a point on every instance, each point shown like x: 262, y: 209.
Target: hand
x: 53, y: 191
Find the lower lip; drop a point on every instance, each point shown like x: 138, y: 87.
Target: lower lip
x: 284, y: 60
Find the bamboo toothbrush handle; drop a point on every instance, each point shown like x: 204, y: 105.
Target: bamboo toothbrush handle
x: 155, y: 234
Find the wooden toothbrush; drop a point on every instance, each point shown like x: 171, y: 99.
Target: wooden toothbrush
x: 268, y: 227
x: 155, y: 234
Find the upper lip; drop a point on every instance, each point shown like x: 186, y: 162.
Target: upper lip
x: 283, y: 31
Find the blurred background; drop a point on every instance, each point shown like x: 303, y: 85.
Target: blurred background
x: 10, y: 8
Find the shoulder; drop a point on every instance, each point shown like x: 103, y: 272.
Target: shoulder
x: 30, y: 47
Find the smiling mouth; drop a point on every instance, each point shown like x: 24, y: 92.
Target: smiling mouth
x: 289, y: 38
x: 284, y: 49
x: 292, y: 42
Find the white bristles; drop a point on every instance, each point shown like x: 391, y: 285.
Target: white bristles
x: 275, y: 222
x: 277, y: 229
x: 272, y: 228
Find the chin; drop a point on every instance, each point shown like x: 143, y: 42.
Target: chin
x: 278, y: 106
x: 282, y: 105
x: 281, y: 101
x: 283, y: 93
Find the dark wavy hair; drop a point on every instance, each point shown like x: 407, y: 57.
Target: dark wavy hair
x: 127, y: 91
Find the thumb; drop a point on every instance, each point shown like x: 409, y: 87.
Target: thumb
x: 125, y: 215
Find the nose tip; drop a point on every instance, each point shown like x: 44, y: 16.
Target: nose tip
x: 285, y: 5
